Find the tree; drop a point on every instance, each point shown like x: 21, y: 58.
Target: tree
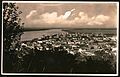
x: 12, y: 30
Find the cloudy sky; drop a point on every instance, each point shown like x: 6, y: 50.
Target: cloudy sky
x: 72, y: 15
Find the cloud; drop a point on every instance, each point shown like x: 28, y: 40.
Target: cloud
x: 83, y: 17
x: 52, y: 18
x: 63, y: 20
x: 98, y: 20
x: 102, y: 18
x: 31, y: 13
x: 49, y: 18
x: 86, y: 14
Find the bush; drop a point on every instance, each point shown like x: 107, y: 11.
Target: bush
x: 12, y: 30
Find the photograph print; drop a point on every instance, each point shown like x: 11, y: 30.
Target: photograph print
x: 59, y: 37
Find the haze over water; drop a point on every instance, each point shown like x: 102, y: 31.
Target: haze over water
x: 29, y: 35
x: 37, y: 34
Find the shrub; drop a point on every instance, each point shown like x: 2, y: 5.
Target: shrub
x: 12, y: 30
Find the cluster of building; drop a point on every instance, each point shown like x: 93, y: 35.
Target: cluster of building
x: 83, y: 43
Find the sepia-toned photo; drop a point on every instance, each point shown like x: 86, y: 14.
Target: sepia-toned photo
x: 59, y: 38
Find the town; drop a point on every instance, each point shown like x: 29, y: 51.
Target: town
x: 73, y: 43
x: 70, y: 52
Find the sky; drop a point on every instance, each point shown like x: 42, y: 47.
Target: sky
x: 69, y: 15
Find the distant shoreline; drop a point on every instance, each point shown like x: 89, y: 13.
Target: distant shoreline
x: 31, y: 34
x: 30, y: 29
x: 41, y: 29
x: 103, y: 31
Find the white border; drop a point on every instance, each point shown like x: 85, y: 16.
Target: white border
x: 62, y: 74
x: 117, y: 37
x: 2, y: 44
x: 60, y: 2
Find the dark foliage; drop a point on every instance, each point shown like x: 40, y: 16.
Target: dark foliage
x: 12, y: 30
